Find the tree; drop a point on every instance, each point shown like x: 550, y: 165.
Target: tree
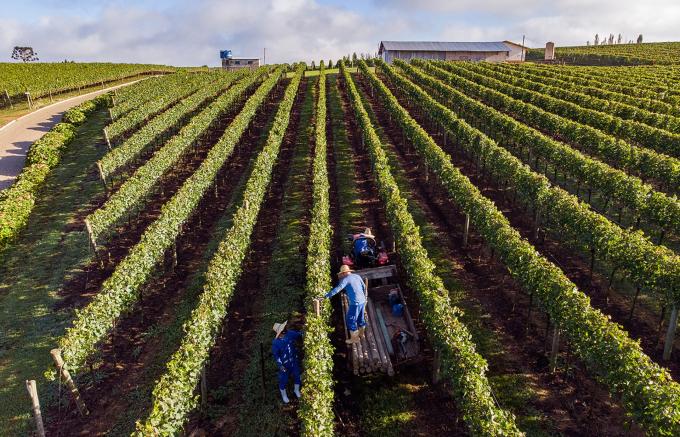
x: 610, y: 40
x: 619, y: 40
x: 597, y: 39
x: 354, y: 58
x: 330, y: 64
x: 26, y: 54
x: 313, y: 66
x: 587, y: 43
x: 639, y: 39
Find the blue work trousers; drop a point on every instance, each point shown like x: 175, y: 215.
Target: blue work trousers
x: 355, y: 317
x: 293, y: 371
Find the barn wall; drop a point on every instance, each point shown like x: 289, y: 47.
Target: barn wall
x: 390, y: 55
x: 515, y: 53
x: 476, y: 56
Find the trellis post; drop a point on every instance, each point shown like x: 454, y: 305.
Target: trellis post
x: 90, y: 235
x: 466, y: 231
x: 555, y: 349
x: 35, y: 401
x: 63, y: 373
x: 106, y: 136
x: 264, y: 382
x: 11, y: 106
x: 204, y: 388
x: 101, y: 174
x: 670, y: 334
x: 436, y: 366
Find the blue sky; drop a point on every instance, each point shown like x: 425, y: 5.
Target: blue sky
x: 192, y: 32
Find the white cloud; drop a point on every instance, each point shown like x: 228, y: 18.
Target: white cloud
x: 192, y: 33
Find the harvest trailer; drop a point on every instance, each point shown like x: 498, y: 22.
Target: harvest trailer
x: 390, y: 337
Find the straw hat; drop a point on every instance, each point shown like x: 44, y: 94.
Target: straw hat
x: 368, y: 233
x: 344, y: 269
x: 279, y: 327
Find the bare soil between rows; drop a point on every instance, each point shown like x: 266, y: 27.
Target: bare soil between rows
x: 234, y: 346
x: 574, y: 403
x: 79, y: 291
x: 131, y: 350
x: 434, y: 412
x: 640, y: 322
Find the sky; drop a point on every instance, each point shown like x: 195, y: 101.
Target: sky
x: 183, y: 33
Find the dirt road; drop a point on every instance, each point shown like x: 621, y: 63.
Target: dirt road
x: 17, y: 136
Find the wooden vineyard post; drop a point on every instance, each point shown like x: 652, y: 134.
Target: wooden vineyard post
x: 204, y: 388
x: 101, y: 175
x: 531, y: 305
x: 317, y: 307
x: 264, y: 386
x: 555, y: 349
x: 37, y: 415
x: 51, y: 96
x: 537, y: 222
x: 436, y: 366
x: 466, y: 231
x: 90, y: 236
x: 670, y: 334
x: 28, y: 99
x: 110, y: 115
x: 106, y: 136
x: 632, y: 307
x: 11, y: 106
x: 63, y: 373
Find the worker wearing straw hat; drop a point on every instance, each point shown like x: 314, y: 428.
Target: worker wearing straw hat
x: 363, y: 252
x: 356, y: 295
x: 286, y: 357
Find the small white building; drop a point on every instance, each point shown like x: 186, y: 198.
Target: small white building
x: 499, y: 51
x: 238, y: 63
x: 518, y: 52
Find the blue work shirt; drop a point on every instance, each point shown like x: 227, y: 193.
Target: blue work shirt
x: 284, y: 350
x: 354, y: 287
x: 360, y: 244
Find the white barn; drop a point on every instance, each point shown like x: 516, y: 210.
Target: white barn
x: 499, y: 51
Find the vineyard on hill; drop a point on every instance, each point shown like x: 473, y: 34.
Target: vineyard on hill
x: 41, y: 79
x: 531, y: 212
x: 658, y: 53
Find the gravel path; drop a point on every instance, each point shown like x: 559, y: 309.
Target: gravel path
x: 17, y: 136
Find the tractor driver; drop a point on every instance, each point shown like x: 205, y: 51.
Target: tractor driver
x: 363, y: 252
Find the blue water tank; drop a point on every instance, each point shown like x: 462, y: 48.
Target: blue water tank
x: 225, y: 54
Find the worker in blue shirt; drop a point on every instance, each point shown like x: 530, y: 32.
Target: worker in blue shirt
x: 364, y: 254
x: 355, y: 289
x: 286, y: 357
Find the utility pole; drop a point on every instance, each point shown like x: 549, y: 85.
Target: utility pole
x: 523, y: 49
x: 264, y: 56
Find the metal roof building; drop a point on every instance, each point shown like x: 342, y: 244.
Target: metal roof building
x: 452, y: 51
